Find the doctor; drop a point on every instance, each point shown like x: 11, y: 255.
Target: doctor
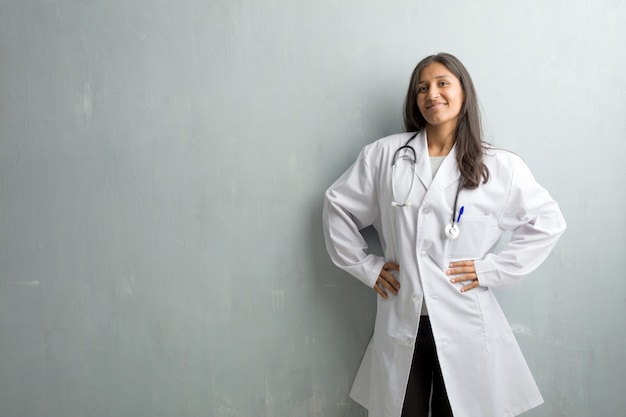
x: 441, y: 199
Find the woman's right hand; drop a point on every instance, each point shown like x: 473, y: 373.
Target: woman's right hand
x: 386, y: 281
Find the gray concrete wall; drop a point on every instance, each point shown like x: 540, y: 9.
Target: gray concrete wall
x: 162, y: 165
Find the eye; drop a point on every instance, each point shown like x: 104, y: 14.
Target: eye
x: 444, y: 83
x: 422, y: 89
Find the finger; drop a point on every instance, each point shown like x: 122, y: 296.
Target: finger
x: 380, y: 291
x: 391, y: 265
x: 388, y: 278
x: 388, y: 282
x: 471, y: 286
x: 459, y: 270
x: 465, y: 277
x: 461, y: 263
x: 461, y: 267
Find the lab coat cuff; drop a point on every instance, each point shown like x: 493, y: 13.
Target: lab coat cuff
x: 486, y: 272
x: 372, y: 272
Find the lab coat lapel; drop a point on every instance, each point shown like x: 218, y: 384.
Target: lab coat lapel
x: 423, y: 170
x: 447, y: 174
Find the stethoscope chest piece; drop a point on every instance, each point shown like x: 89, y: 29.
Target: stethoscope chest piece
x: 452, y: 230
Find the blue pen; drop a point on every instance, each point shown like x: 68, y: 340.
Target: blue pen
x: 460, y: 214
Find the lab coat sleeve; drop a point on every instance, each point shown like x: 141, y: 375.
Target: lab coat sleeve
x: 536, y: 223
x: 350, y: 205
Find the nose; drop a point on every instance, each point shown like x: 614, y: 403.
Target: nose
x: 433, y: 93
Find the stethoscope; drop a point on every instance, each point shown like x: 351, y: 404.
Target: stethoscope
x: 407, y: 153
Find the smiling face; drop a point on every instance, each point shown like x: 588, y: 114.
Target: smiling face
x: 440, y: 96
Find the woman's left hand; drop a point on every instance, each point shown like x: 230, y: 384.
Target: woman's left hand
x: 463, y: 271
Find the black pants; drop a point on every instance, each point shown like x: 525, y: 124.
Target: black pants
x: 425, y: 380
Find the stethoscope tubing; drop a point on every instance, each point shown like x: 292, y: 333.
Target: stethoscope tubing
x: 394, y: 160
x: 451, y: 230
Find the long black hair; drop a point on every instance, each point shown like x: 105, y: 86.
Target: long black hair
x: 468, y: 134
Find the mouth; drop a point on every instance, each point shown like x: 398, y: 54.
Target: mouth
x: 435, y: 106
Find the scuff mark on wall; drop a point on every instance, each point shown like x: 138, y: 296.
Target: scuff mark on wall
x: 33, y: 283
x: 522, y: 329
x: 278, y: 301
x: 26, y: 101
x: 87, y: 100
x: 125, y: 287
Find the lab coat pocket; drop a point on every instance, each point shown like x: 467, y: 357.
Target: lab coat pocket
x: 472, y: 237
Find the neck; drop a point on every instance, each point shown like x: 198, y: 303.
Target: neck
x: 440, y: 139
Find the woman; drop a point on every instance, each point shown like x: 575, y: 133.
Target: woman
x: 441, y: 199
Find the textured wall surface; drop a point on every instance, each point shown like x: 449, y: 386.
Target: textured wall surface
x: 162, y: 165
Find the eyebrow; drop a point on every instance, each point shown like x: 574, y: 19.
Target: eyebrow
x: 437, y: 77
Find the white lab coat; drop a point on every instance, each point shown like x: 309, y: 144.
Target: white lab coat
x: 483, y: 368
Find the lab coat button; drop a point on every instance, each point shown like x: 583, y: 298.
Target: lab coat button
x: 425, y: 210
x: 416, y: 298
x: 423, y: 253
